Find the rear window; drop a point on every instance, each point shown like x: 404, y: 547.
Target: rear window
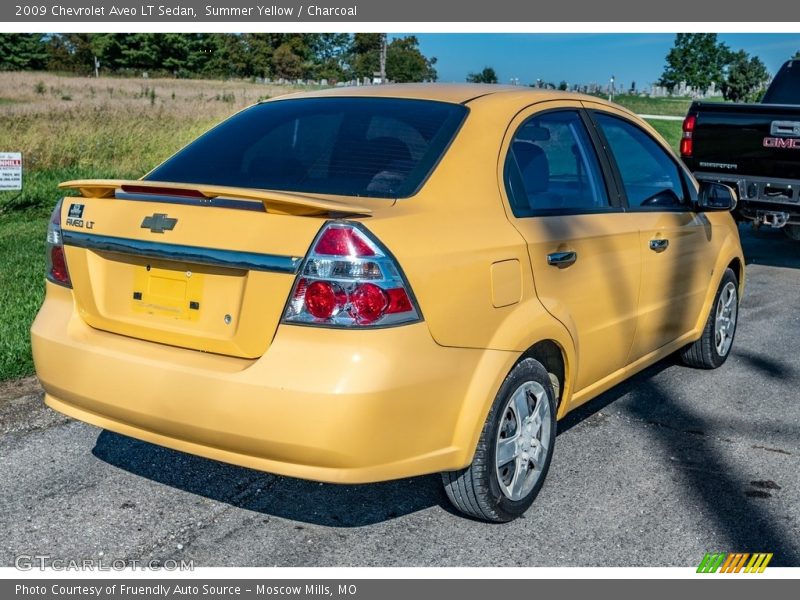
x: 785, y: 88
x: 379, y: 147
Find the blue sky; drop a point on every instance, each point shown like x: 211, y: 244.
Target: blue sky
x: 580, y: 58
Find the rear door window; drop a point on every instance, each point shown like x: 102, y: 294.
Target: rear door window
x: 551, y: 167
x: 380, y: 147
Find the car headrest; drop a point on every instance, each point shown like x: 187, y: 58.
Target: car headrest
x: 533, y: 165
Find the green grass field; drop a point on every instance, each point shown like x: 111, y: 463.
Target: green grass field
x: 642, y: 105
x: 672, y: 107
x: 70, y: 127
x: 669, y: 130
x: 22, y: 263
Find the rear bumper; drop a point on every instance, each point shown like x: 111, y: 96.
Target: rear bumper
x: 321, y: 404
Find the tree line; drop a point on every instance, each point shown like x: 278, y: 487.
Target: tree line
x: 700, y: 59
x: 290, y: 56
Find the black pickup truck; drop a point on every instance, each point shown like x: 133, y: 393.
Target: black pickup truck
x: 754, y: 148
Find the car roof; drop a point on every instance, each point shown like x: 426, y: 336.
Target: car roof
x: 459, y: 93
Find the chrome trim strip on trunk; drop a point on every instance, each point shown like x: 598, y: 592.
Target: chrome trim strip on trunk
x: 233, y: 259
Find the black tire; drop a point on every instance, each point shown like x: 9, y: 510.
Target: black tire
x: 704, y: 353
x: 477, y: 490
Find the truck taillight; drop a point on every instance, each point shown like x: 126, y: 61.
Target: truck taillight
x: 687, y: 142
x: 56, y: 260
x: 349, y: 280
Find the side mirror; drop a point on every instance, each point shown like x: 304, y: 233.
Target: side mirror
x: 716, y: 196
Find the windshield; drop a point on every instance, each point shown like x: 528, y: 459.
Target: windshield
x: 379, y: 147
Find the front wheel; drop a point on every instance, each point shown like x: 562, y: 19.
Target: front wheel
x: 714, y: 346
x: 514, y: 449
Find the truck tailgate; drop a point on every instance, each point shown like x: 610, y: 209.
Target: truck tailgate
x: 747, y: 139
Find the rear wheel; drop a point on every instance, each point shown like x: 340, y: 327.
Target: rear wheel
x: 714, y: 346
x: 514, y: 449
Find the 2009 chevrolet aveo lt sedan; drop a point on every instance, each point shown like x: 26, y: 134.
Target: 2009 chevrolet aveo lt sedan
x: 366, y: 284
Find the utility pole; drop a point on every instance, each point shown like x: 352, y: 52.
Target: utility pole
x: 383, y: 58
x: 96, y: 67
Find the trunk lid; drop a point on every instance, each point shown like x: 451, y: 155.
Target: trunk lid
x: 203, y: 267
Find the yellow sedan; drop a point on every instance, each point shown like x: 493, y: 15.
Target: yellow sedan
x: 371, y: 283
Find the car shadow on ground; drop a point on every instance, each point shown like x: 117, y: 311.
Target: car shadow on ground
x: 734, y: 507
x: 770, y: 247
x: 303, y: 501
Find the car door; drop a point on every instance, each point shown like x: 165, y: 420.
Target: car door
x: 584, y: 249
x: 675, y: 241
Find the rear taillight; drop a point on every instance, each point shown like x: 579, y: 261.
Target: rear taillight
x: 56, y: 261
x: 349, y: 280
x: 687, y: 141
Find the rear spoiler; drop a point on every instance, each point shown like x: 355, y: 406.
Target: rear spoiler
x: 273, y: 201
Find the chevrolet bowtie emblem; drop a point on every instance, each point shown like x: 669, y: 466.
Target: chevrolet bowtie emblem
x: 159, y: 223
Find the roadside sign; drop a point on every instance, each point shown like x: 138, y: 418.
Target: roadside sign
x: 10, y: 171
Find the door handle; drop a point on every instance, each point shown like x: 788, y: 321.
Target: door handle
x: 561, y: 259
x: 659, y: 245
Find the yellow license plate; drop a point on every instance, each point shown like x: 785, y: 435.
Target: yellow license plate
x: 167, y: 292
